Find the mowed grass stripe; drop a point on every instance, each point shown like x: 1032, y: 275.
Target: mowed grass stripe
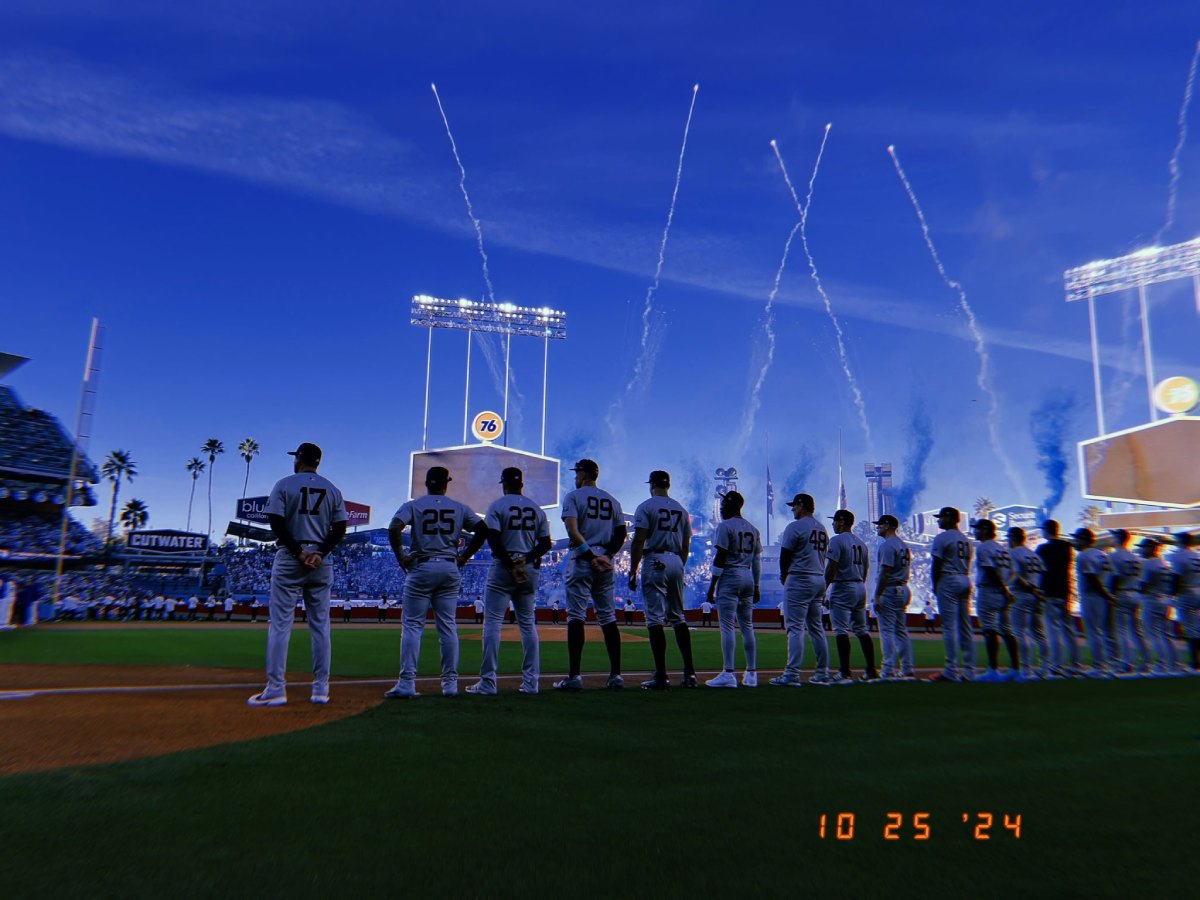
x: 685, y: 794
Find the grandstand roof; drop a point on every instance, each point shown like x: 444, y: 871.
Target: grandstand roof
x: 34, y: 444
x: 9, y: 362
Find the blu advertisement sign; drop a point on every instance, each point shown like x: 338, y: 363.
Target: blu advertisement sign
x: 254, y: 509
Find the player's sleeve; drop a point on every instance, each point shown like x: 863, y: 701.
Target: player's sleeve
x: 887, y: 555
x: 837, y: 550
x: 618, y: 513
x: 338, y: 513
x: 543, y: 523
x: 492, y: 519
x: 570, y: 507
x: 470, y: 517
x: 406, y: 514
x: 788, y: 540
x: 938, y: 550
x: 276, y: 503
x: 641, y: 516
x: 1087, y: 565
x: 721, y: 538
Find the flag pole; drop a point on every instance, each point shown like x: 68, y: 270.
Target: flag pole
x: 767, y: 457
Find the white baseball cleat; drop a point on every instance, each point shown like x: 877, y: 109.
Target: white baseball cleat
x: 479, y: 690
x: 529, y: 689
x: 402, y: 691
x: 749, y: 679
x: 449, y: 688
x: 822, y: 680
x: 723, y: 680
x: 264, y: 699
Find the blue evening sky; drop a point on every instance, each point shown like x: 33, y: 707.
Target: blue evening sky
x: 248, y: 193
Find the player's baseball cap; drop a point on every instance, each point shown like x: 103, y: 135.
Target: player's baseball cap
x: 1120, y: 534
x: 512, y: 475
x: 806, y: 499
x: 1083, y: 534
x: 438, y: 475
x: 1147, y: 542
x: 659, y: 478
x: 888, y: 520
x: 843, y: 515
x: 948, y: 511
x: 587, y: 467
x: 307, y: 453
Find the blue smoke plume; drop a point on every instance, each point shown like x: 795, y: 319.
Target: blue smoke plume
x: 1048, y: 424
x: 799, y: 479
x: 920, y: 445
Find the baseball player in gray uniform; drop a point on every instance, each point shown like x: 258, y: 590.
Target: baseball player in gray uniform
x: 308, y: 517
x: 892, y: 596
x: 433, y: 574
x: 1185, y: 566
x: 1127, y: 576
x: 519, y: 535
x: 1155, y: 590
x: 1025, y: 581
x: 847, y: 564
x: 662, y: 536
x: 736, y: 572
x: 1092, y: 570
x: 993, y: 572
x: 950, y: 563
x: 596, y: 529
x: 802, y: 571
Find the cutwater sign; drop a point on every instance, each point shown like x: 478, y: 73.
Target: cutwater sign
x: 167, y: 542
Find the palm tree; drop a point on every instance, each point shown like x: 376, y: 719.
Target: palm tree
x: 983, y: 508
x: 249, y: 449
x: 195, y: 466
x: 117, y: 465
x: 134, y: 515
x: 213, y: 448
x: 1089, y: 517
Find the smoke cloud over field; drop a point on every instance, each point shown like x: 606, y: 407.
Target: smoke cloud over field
x: 920, y: 445
x: 1049, y: 424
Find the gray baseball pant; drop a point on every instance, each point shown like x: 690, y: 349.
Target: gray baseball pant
x: 431, y: 583
x: 735, y: 606
x: 958, y: 637
x: 1064, y: 646
x: 1129, y: 632
x: 1095, y: 623
x: 893, y: 623
x: 848, y: 607
x: 584, y: 583
x: 1030, y: 634
x: 292, y: 581
x: 662, y: 589
x: 501, y: 588
x: 1154, y: 617
x: 803, y: 605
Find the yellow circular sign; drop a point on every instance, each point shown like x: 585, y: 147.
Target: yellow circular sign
x: 1176, y: 395
x: 487, y: 427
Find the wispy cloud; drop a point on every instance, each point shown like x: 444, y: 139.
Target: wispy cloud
x: 327, y: 151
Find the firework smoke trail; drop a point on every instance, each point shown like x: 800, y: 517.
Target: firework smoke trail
x: 489, y: 352
x: 646, y: 353
x: 983, y: 380
x: 859, y: 403
x: 769, y: 328
x: 1173, y: 164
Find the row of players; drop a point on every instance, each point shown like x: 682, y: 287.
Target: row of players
x: 1013, y: 585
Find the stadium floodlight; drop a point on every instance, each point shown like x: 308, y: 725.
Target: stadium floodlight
x: 491, y: 318
x: 1137, y: 270
x: 494, y: 318
x: 1151, y: 265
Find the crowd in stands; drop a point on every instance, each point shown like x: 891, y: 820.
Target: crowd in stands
x: 24, y: 533
x: 32, y: 440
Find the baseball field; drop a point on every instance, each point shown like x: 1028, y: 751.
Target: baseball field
x: 131, y: 766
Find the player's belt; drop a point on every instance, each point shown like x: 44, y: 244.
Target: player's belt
x: 847, y: 581
x: 663, y: 552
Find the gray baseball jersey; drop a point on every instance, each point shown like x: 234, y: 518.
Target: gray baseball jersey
x: 808, y: 540
x: 740, y: 541
x: 894, y: 553
x: 436, y: 522
x: 1027, y: 566
x: 1185, y: 563
x: 665, y: 522
x: 520, y: 522
x: 1092, y: 562
x: 850, y: 554
x: 954, y: 550
x: 1156, y: 577
x: 992, y: 554
x: 309, y: 504
x: 1127, y: 570
x: 596, y: 513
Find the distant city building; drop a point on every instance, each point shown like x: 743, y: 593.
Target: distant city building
x: 879, y: 491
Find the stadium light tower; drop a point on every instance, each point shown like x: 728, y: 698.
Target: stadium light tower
x: 1152, y: 265
x: 492, y: 318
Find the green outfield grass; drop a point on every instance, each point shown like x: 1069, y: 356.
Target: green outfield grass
x: 684, y: 794
x: 365, y: 651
